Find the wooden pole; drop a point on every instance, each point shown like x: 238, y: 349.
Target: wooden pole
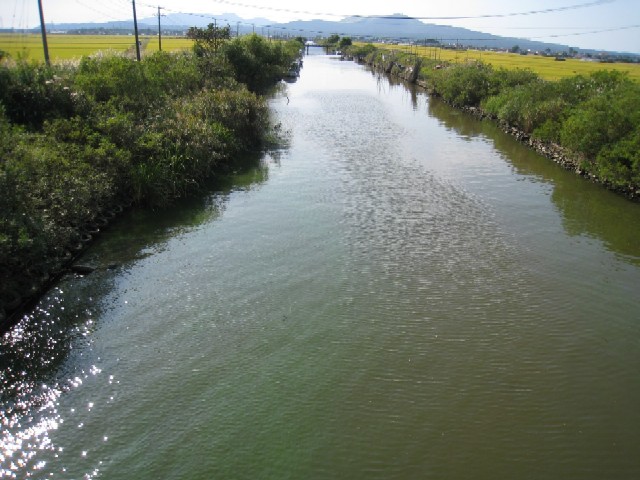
x: 135, y: 28
x: 44, y: 34
x: 159, y: 30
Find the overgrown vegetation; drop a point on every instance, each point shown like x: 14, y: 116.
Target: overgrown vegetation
x: 76, y: 142
x: 595, y: 117
x: 334, y: 42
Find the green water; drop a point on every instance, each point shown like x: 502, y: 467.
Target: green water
x: 403, y: 292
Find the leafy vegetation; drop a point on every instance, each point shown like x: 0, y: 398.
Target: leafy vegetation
x: 336, y: 43
x: 208, y: 40
x: 257, y: 63
x: 77, y: 141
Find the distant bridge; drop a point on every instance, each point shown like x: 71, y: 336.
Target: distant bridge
x: 310, y: 44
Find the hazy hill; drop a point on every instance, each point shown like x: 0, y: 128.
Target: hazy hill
x: 394, y: 27
x: 407, y: 28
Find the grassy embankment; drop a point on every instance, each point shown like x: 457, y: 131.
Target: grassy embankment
x: 78, y: 140
x: 589, y: 122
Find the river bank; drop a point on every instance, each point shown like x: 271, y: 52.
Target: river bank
x: 610, y: 162
x: 555, y: 153
x: 80, y: 143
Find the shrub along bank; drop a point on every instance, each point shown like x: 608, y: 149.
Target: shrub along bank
x: 589, y: 123
x: 78, y: 142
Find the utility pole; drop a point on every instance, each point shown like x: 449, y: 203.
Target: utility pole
x: 159, y: 29
x: 44, y: 35
x: 135, y: 28
x: 215, y: 35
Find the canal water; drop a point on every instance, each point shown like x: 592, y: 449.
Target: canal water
x: 402, y: 292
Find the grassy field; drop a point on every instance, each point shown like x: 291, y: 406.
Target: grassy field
x: 65, y: 47
x: 546, y: 67
x: 170, y: 44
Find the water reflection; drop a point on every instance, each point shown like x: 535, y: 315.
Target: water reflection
x: 388, y: 83
x: 36, y: 354
x: 463, y: 124
x: 37, y: 346
x: 586, y: 208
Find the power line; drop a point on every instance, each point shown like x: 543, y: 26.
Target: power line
x: 100, y: 12
x: 458, y: 17
x: 627, y: 27
x: 320, y: 32
x: 303, y: 31
x: 23, y: 20
x: 120, y: 5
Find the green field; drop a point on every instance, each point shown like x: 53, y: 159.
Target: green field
x: 170, y: 44
x: 547, y: 67
x: 65, y: 47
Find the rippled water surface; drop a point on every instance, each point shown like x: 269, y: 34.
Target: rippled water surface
x: 402, y: 292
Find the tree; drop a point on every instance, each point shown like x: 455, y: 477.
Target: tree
x: 258, y: 62
x: 208, y: 40
x: 345, y: 42
x: 362, y: 51
x: 515, y: 49
x: 333, y: 39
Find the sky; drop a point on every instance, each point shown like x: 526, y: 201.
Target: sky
x: 612, y: 25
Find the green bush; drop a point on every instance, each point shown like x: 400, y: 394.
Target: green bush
x: 464, y: 85
x: 74, y: 141
x: 604, y: 119
x: 257, y: 62
x: 503, y: 78
x: 361, y: 51
x: 32, y: 93
x: 526, y: 106
x: 173, y: 74
x: 120, y: 81
x: 619, y: 164
x: 193, y: 137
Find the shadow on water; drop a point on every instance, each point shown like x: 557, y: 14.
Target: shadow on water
x: 34, y: 351
x: 386, y: 82
x: 586, y: 208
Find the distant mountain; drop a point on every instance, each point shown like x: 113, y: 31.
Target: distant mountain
x: 400, y: 27
x: 113, y: 25
x: 178, y: 22
x: 393, y: 28
x: 202, y: 20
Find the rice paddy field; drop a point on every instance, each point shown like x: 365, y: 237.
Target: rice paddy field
x: 547, y: 67
x: 68, y: 47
